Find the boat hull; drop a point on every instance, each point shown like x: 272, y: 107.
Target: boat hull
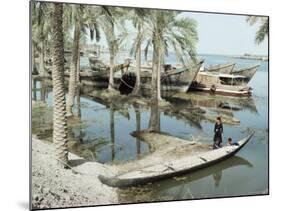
x: 178, y: 80
x: 247, y: 72
x: 174, y: 168
x: 225, y: 90
x: 225, y: 68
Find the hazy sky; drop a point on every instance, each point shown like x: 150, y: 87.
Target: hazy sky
x: 226, y: 34
x: 223, y: 34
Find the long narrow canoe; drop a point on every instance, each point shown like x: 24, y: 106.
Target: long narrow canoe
x: 169, y: 169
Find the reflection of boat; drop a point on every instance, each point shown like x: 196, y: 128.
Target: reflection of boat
x: 222, y: 68
x: 248, y: 72
x: 166, y: 169
x: 216, y: 171
x: 219, y: 83
x: 180, y: 185
x: 220, y: 102
x: 174, y: 79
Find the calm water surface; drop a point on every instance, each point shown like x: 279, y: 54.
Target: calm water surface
x: 103, y: 134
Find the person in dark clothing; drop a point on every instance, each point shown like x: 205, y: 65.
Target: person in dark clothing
x: 218, y: 130
x: 230, y: 143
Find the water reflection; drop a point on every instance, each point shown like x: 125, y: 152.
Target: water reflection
x: 112, y: 132
x: 218, y: 103
x: 93, y: 141
x: 180, y: 187
x: 138, y: 128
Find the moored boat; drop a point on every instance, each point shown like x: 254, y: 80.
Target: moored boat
x: 248, y: 72
x: 168, y: 169
x: 221, y: 68
x: 219, y: 83
x: 173, y: 79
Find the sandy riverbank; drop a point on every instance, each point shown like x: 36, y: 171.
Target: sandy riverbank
x: 56, y: 187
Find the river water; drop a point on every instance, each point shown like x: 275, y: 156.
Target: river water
x: 102, y: 133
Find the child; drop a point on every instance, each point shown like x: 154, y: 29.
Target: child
x: 229, y: 140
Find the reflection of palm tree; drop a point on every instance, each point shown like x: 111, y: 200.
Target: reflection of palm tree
x: 263, y: 30
x: 43, y: 91
x: 59, y: 113
x: 112, y: 131
x: 78, y: 102
x: 138, y: 128
x: 34, y: 87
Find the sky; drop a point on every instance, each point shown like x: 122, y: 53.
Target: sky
x: 223, y: 34
x: 226, y: 34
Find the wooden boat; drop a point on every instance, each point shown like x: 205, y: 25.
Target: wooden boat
x: 97, y: 64
x: 248, y: 72
x: 222, y: 68
x: 167, y: 169
x: 174, y: 79
x: 219, y: 83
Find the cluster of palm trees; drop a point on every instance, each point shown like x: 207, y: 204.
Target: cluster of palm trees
x: 56, y: 24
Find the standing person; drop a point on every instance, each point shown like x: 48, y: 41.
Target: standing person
x: 218, y: 130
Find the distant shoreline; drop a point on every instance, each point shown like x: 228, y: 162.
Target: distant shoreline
x: 252, y: 57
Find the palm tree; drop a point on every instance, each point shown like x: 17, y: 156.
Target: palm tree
x: 138, y: 16
x: 40, y: 31
x: 109, y: 17
x: 168, y: 30
x: 81, y: 17
x: 263, y: 31
x: 59, y: 112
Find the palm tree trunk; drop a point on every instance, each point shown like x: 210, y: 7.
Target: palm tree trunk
x: 111, y: 72
x: 154, y: 72
x: 59, y: 112
x: 78, y: 66
x: 159, y: 77
x: 73, y: 71
x: 41, y: 59
x: 33, y: 59
x: 154, y: 121
x: 136, y: 89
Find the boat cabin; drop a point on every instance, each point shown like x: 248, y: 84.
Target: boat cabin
x: 220, y: 78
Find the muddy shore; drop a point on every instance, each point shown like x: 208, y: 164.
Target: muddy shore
x: 53, y: 187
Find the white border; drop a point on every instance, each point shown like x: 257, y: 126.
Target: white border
x: 15, y: 103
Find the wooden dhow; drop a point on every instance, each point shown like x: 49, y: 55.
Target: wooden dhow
x: 219, y: 83
x: 222, y: 68
x: 248, y: 72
